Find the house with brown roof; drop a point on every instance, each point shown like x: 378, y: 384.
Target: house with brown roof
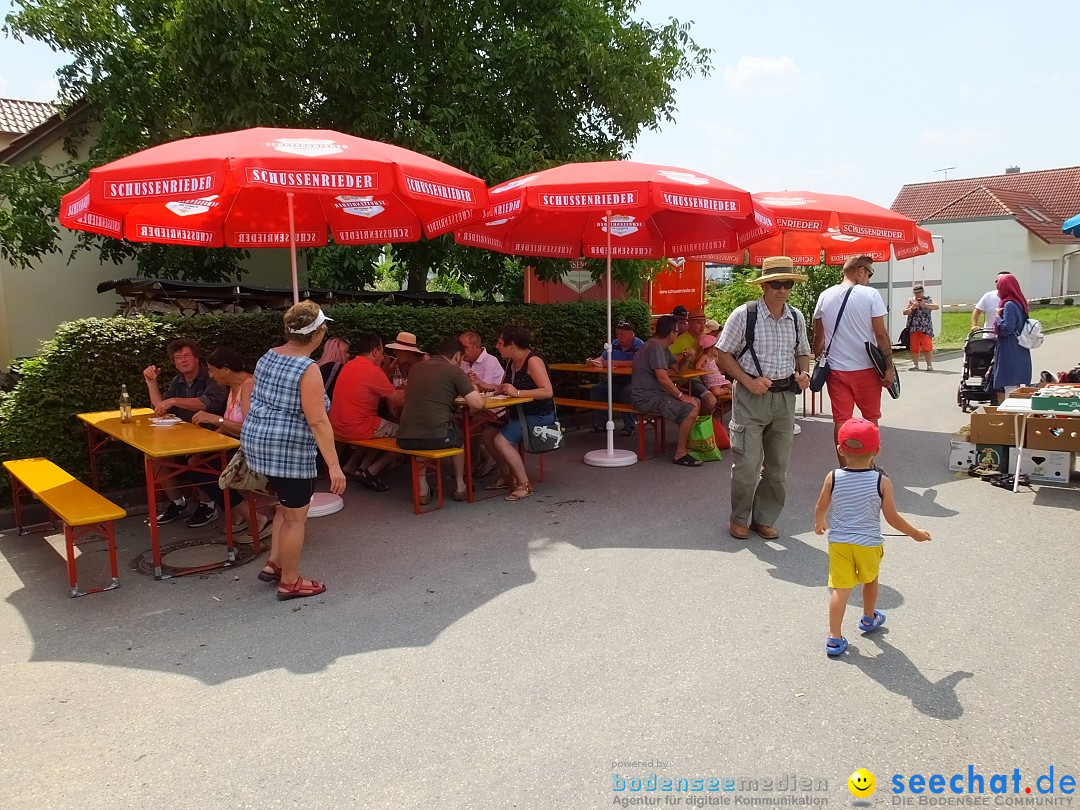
x: 1009, y: 221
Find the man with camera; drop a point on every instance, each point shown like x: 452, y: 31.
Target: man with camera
x: 764, y: 349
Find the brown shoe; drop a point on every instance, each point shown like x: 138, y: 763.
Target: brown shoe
x: 738, y: 532
x: 767, y: 532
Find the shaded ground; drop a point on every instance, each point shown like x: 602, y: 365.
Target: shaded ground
x: 508, y: 655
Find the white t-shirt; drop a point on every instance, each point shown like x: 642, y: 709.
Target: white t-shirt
x: 848, y: 351
x: 989, y: 304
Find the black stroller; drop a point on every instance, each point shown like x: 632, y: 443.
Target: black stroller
x: 975, y: 382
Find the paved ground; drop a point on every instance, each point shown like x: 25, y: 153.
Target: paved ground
x: 519, y: 655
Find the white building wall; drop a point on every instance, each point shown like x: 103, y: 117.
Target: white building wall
x: 975, y: 251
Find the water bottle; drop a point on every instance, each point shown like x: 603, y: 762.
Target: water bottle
x: 125, y: 405
x: 397, y: 378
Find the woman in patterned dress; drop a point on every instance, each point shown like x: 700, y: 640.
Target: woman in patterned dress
x: 286, y: 425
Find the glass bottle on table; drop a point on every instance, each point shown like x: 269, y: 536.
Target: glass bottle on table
x: 125, y: 405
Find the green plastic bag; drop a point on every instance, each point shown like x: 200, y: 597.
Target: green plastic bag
x: 702, y: 442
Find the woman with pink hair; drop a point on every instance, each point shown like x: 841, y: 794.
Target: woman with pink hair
x: 335, y: 355
x: 1012, y: 362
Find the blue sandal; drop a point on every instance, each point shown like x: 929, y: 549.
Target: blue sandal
x: 873, y: 624
x: 835, y: 646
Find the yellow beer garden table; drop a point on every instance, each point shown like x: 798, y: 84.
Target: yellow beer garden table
x: 168, y: 453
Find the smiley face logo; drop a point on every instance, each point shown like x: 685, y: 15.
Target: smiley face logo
x: 862, y: 783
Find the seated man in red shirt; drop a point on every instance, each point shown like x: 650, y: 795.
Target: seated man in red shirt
x: 354, y: 413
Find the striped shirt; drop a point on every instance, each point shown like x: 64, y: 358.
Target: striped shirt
x: 777, y: 341
x: 855, y: 511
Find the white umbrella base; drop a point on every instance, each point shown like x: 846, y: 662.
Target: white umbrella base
x: 610, y: 458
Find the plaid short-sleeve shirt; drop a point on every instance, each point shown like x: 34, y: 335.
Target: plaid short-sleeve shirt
x: 777, y: 341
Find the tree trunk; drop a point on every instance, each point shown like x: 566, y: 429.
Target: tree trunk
x: 418, y: 274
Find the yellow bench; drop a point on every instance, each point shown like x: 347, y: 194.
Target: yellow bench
x: 653, y: 420
x: 421, y: 461
x: 83, y: 511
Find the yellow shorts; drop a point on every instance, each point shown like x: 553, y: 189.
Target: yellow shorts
x: 850, y: 564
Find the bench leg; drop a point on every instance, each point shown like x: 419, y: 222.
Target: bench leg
x: 416, y: 470
x: 72, y: 534
x: 421, y: 467
x: 641, y: 436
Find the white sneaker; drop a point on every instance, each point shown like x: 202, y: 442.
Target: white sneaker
x: 798, y: 430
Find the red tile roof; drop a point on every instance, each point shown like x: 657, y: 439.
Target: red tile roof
x: 1029, y: 197
x: 19, y: 117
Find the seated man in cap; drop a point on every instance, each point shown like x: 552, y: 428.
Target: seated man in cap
x: 764, y: 349
x: 623, y: 351
x: 680, y: 314
x: 687, y: 350
x: 653, y: 391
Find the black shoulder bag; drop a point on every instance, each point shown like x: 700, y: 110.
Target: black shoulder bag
x: 821, y: 367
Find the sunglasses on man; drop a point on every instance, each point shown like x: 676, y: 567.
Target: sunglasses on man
x: 781, y: 285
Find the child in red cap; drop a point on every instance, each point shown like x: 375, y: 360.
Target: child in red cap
x: 850, y: 506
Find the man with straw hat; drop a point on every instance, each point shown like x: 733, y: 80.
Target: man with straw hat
x: 764, y: 349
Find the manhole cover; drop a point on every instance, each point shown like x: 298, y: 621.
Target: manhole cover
x: 188, y: 556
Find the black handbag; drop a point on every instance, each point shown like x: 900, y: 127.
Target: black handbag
x: 540, y: 438
x: 881, y: 366
x: 821, y: 367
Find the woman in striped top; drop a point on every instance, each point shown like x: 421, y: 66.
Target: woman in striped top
x: 849, y: 508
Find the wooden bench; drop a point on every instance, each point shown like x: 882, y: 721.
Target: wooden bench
x: 83, y: 511
x: 421, y: 461
x: 653, y: 420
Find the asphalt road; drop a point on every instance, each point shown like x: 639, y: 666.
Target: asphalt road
x: 534, y: 655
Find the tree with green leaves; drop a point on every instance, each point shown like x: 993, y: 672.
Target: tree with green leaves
x: 495, y: 87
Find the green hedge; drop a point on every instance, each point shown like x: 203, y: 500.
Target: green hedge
x: 82, y: 368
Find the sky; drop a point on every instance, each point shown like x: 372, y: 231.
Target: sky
x: 841, y: 97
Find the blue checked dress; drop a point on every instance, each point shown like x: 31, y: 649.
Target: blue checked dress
x: 275, y: 436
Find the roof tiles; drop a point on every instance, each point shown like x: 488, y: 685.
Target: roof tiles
x: 1040, y: 201
x: 19, y: 117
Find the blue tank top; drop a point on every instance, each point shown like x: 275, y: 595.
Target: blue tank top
x: 855, y: 511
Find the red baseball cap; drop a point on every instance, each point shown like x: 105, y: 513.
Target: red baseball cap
x: 858, y: 436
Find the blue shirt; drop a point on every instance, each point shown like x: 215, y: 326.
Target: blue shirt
x: 620, y: 353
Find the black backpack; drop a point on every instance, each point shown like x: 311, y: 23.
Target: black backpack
x: 751, y: 327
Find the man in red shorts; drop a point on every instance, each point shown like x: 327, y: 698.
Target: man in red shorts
x: 853, y: 380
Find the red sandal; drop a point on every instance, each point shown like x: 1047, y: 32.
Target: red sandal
x: 300, y: 588
x: 273, y: 575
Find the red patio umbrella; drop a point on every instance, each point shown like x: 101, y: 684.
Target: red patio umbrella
x: 274, y: 188
x: 802, y: 224
x: 611, y: 209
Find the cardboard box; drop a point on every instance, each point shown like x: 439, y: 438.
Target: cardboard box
x: 993, y: 456
x: 1057, y: 434
x: 1045, y: 465
x: 961, y: 453
x: 1023, y: 392
x: 990, y: 427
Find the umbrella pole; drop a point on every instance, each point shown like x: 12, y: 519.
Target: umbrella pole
x: 610, y: 457
x: 292, y: 249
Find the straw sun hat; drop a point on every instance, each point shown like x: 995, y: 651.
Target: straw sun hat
x: 778, y: 268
